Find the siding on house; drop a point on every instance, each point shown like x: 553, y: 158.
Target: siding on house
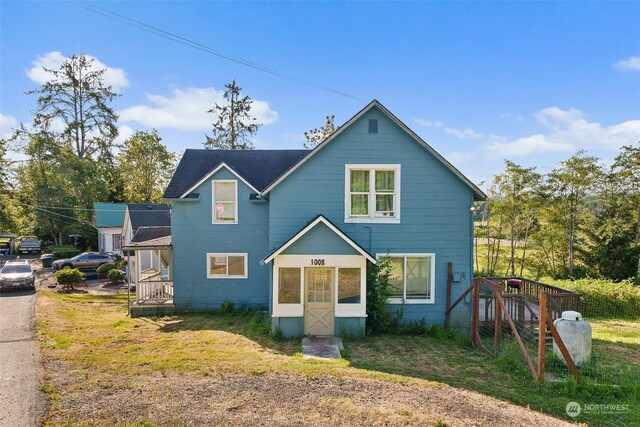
x: 193, y: 236
x: 435, y: 204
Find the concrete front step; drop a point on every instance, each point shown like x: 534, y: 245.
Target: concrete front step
x: 321, y: 347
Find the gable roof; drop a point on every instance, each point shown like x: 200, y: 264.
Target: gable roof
x: 258, y: 168
x: 148, y: 215
x: 478, y: 194
x: 310, y: 226
x: 109, y: 214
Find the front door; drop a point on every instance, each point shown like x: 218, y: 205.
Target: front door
x: 318, y: 306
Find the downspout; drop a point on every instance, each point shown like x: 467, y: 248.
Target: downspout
x: 128, y: 283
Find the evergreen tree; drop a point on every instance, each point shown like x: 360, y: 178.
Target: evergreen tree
x: 234, y: 124
x: 77, y: 96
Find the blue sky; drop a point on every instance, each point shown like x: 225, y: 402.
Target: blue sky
x: 480, y: 82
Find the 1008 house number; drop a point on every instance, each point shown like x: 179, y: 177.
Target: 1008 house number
x: 317, y: 261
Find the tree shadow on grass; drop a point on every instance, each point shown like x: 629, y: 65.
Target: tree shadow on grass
x: 253, y: 325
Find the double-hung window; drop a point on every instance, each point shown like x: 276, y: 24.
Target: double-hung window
x: 227, y: 266
x: 412, y: 278
x: 372, y: 193
x: 225, y: 201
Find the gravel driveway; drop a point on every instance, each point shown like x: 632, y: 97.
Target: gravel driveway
x: 21, y: 370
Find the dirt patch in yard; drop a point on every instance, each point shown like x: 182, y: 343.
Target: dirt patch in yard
x: 273, y: 399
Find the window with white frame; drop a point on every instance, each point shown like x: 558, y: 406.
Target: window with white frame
x: 227, y: 266
x: 412, y: 278
x: 225, y: 201
x: 289, y: 285
x: 117, y: 242
x: 372, y: 193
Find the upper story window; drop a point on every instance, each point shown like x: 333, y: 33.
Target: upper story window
x: 372, y: 193
x: 225, y: 201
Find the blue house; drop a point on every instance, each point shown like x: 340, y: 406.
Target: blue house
x: 292, y: 231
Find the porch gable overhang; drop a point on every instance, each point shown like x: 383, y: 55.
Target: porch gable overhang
x: 317, y: 220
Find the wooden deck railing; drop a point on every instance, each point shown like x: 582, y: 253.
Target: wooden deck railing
x: 154, y: 292
x: 559, y: 299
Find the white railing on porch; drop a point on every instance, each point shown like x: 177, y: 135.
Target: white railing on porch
x: 154, y: 292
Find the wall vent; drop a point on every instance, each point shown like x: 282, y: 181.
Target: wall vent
x: 373, y: 125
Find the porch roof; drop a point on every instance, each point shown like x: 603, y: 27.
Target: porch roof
x: 310, y: 226
x: 150, y: 238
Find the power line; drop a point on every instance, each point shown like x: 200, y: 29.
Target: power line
x: 199, y: 46
x: 90, y: 209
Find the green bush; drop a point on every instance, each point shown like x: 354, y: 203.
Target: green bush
x: 226, y: 307
x: 115, y: 275
x: 105, y: 268
x: 379, y: 317
x: 69, y: 277
x: 604, y: 298
x: 64, y: 251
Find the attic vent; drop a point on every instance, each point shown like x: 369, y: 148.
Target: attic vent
x: 373, y: 125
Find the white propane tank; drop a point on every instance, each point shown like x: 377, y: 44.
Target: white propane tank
x: 576, y: 336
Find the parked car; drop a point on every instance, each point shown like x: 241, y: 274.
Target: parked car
x: 17, y: 274
x: 85, y: 261
x: 28, y: 244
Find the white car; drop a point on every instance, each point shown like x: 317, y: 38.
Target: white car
x: 16, y: 275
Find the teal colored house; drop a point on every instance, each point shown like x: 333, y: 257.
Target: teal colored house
x: 108, y: 219
x: 292, y: 231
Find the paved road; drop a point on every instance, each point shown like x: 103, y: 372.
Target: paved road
x: 21, y: 371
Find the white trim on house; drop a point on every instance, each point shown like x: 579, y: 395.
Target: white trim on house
x: 302, y: 232
x: 371, y: 217
x: 213, y: 201
x: 227, y: 276
x: 432, y: 278
x: 216, y: 169
x: 330, y: 261
x: 375, y: 103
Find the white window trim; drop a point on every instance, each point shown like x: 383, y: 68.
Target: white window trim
x: 226, y: 276
x: 213, y: 201
x: 404, y: 299
x: 371, y: 218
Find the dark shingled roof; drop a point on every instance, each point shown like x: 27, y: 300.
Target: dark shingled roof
x: 258, y: 167
x: 150, y: 233
x: 149, y: 215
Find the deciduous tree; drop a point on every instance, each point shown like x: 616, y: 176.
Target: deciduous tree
x: 145, y: 167
x: 567, y: 187
x: 316, y: 136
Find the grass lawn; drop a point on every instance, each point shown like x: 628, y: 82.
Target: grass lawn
x: 96, y: 356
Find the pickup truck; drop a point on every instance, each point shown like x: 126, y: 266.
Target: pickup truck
x: 28, y: 244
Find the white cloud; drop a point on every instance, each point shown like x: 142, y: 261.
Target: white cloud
x: 466, y: 133
x: 187, y: 110
x: 124, y: 133
x: 566, y: 131
x: 114, y: 77
x: 630, y: 64
x: 7, y: 124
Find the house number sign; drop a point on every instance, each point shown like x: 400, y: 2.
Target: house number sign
x: 317, y: 261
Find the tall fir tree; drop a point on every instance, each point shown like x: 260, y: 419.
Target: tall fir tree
x: 234, y: 123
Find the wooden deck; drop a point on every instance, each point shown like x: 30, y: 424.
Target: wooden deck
x: 522, y: 300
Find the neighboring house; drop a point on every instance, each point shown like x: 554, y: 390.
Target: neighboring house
x: 147, y: 221
x: 109, y: 218
x: 292, y: 231
x: 151, y: 259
